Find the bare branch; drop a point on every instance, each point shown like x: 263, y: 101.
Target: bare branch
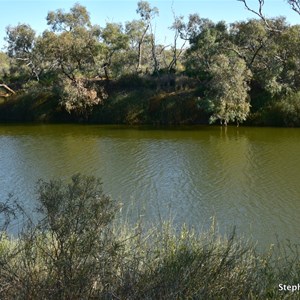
x: 295, y: 5
x: 260, y: 14
x: 31, y: 65
x: 240, y: 55
x: 7, y: 88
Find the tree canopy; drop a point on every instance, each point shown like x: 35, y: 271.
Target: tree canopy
x: 240, y: 68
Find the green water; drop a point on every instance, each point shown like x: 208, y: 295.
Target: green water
x: 248, y: 177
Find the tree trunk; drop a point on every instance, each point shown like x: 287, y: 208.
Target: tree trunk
x: 140, y: 50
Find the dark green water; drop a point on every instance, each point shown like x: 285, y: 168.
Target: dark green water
x: 248, y: 177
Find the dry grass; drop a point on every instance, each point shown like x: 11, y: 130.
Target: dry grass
x: 78, y: 251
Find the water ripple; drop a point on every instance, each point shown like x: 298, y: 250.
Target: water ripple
x: 247, y: 177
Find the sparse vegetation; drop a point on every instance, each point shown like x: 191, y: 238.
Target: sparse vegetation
x: 78, y: 249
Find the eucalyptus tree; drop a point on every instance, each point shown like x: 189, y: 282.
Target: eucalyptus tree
x: 4, y: 66
x: 115, y: 43
x: 60, y: 21
x: 288, y: 55
x: 140, y: 46
x: 72, y: 41
x: 271, y: 55
x: 70, y: 48
x: 223, y: 76
x: 134, y: 30
x: 226, y: 97
x: 252, y: 41
x: 20, y: 47
x: 294, y: 4
x: 187, y: 32
x: 206, y: 40
x: 277, y: 65
x: 175, y: 50
x: 248, y: 40
x: 147, y: 13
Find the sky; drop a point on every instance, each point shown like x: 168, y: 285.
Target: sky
x: 34, y: 12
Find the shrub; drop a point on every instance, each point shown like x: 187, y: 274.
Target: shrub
x: 75, y: 97
x: 290, y: 109
x: 282, y: 112
x: 69, y: 253
x: 77, y: 250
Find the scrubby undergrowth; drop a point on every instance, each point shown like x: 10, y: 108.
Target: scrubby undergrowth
x: 79, y: 250
x: 126, y: 103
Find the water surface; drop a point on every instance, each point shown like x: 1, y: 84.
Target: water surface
x: 248, y: 177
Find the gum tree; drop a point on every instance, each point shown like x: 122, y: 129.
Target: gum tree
x: 4, y: 66
x: 21, y: 41
x: 115, y: 43
x: 227, y: 93
x: 147, y: 13
x: 70, y: 48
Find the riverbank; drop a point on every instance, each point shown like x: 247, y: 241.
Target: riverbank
x: 157, y: 263
x: 82, y: 250
x: 140, y: 103
x: 125, y: 105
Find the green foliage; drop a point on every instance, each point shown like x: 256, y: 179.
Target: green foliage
x: 134, y: 31
x: 70, y: 54
x: 270, y: 54
x: 226, y: 96
x: 21, y: 48
x: 290, y: 107
x: 73, y: 50
x: 20, y: 40
x: 146, y: 11
x: 61, y: 21
x: 115, y: 44
x: 283, y: 112
x: 78, y: 250
x: 69, y: 253
x: 207, y: 40
x: 76, y: 97
x: 4, y: 66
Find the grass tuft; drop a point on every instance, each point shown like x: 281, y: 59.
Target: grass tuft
x: 79, y: 250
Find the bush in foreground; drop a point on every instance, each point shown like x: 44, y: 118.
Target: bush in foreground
x: 77, y: 251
